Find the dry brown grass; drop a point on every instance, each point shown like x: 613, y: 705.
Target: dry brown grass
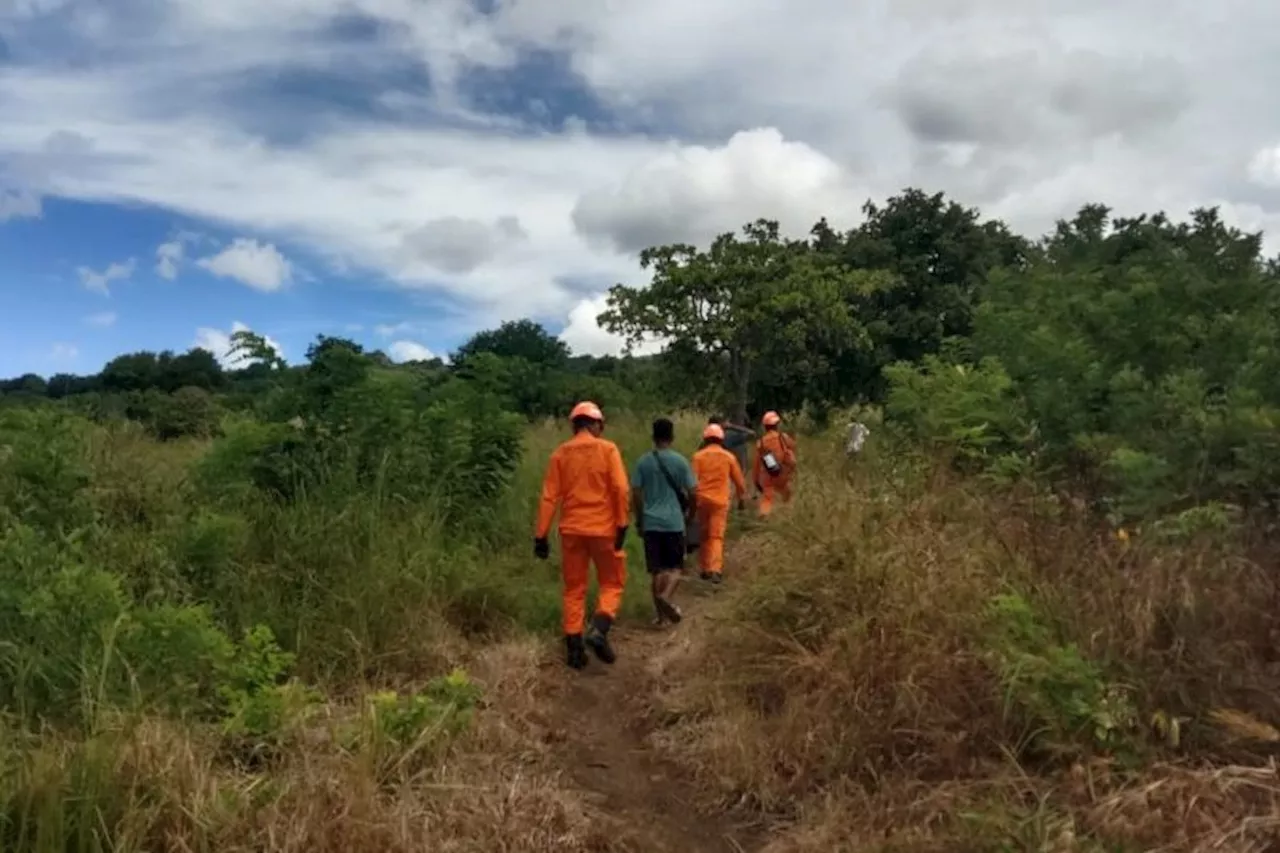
x: 844, y: 684
x: 158, y: 786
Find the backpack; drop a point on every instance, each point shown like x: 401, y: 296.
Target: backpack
x: 772, y: 465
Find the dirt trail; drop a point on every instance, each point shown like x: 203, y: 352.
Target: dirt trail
x: 600, y: 717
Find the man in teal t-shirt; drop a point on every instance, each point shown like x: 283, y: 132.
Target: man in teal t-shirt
x: 660, y: 481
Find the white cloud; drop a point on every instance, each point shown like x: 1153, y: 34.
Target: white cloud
x: 584, y: 335
x: 19, y: 204
x: 388, y: 330
x: 259, y: 265
x: 402, y: 351
x: 99, y: 282
x: 1264, y: 168
x: 1026, y: 109
x: 218, y: 342
x: 102, y: 320
x: 64, y: 352
x: 692, y: 193
x: 168, y: 256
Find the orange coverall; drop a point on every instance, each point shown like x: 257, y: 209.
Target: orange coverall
x: 715, y: 468
x: 783, y: 449
x: 588, y: 483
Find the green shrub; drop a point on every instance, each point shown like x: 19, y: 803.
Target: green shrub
x: 969, y: 411
x: 1066, y: 699
x: 44, y: 471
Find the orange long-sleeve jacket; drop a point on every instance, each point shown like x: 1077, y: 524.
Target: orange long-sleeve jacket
x: 715, y: 468
x: 587, y: 481
x: 783, y: 448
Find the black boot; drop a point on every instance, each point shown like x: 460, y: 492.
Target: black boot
x: 598, y: 638
x: 576, y: 652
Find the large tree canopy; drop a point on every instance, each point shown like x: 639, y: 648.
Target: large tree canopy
x: 746, y: 305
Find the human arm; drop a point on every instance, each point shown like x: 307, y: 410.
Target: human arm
x: 621, y: 488
x: 757, y: 468
x: 637, y: 507
x: 549, y: 501
x: 739, y: 482
x: 689, y: 481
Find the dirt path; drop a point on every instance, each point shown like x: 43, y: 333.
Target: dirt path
x: 601, y: 717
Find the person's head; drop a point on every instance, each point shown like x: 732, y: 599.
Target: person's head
x: 771, y: 420
x: 713, y: 434
x: 586, y: 416
x: 715, y: 420
x: 664, y: 432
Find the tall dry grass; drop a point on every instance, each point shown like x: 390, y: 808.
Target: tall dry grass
x: 907, y: 661
x: 152, y: 785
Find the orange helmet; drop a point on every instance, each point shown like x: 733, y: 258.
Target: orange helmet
x: 713, y: 431
x: 587, y: 409
x: 771, y: 419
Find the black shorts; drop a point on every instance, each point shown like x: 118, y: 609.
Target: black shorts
x: 663, y: 551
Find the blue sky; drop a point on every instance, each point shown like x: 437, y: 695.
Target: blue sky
x: 406, y: 173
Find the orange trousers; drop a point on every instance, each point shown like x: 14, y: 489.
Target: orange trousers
x: 577, y: 553
x: 713, y: 522
x: 779, y: 486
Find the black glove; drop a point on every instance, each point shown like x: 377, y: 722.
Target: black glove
x: 620, y: 539
x: 541, y: 549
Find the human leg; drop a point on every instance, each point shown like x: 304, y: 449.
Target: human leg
x: 574, y: 561
x: 716, y: 525
x: 611, y: 577
x: 664, y: 554
x: 766, y: 498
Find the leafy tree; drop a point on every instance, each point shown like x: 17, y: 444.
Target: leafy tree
x: 1148, y: 354
x: 939, y: 253
x: 135, y: 371
x: 249, y: 348
x: 197, y: 368
x: 28, y: 385
x: 523, y: 339
x: 743, y: 305
x: 187, y: 412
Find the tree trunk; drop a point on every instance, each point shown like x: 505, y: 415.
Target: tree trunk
x: 740, y: 381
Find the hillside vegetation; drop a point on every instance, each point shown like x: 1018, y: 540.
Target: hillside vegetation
x: 293, y: 607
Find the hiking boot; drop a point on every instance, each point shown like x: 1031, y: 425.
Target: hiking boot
x: 706, y: 576
x: 597, y: 638
x: 668, y: 611
x: 716, y: 577
x: 576, y: 651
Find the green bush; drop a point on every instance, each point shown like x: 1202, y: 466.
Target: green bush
x: 1066, y: 700
x: 969, y: 411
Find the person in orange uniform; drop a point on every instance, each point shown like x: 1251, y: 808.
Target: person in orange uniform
x: 715, y: 468
x: 775, y: 463
x: 587, y: 482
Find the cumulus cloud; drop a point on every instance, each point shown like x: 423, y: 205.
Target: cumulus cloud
x: 455, y: 245
x: 101, y: 320
x: 1264, y: 168
x: 693, y: 193
x: 218, y: 342
x: 584, y: 335
x: 99, y: 282
x: 1027, y: 109
x: 403, y: 351
x: 168, y: 256
x: 259, y: 265
x: 1036, y: 94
